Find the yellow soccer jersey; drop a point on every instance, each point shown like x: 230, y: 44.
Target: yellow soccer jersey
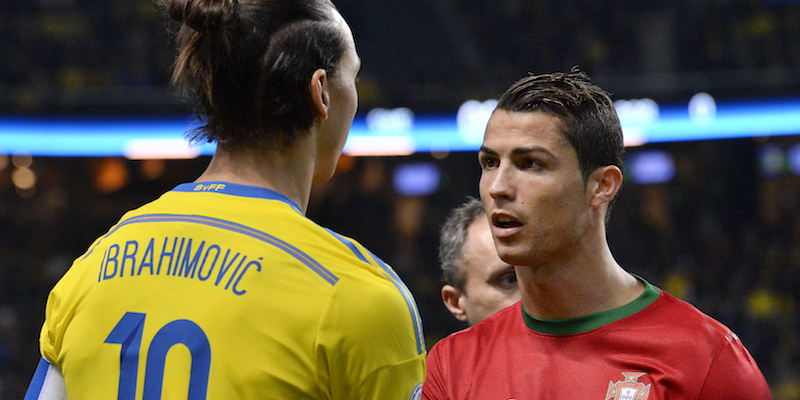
x: 224, y: 291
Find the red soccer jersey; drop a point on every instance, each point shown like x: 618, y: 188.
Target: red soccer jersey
x: 657, y: 347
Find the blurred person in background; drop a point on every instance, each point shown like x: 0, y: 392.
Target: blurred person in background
x: 262, y: 302
x: 477, y: 282
x: 551, y: 161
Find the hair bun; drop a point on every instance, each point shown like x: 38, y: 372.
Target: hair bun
x: 201, y: 15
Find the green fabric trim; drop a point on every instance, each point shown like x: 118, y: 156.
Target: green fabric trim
x: 593, y: 321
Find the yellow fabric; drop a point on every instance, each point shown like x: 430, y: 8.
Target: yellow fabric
x: 288, y: 309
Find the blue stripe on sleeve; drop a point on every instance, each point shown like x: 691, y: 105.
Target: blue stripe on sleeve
x: 350, y: 244
x: 409, y: 299
x: 398, y: 283
x: 37, y: 382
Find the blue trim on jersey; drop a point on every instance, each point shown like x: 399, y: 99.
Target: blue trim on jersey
x: 395, y: 279
x: 412, y: 303
x: 350, y: 244
x: 37, y: 382
x: 235, y: 189
x: 231, y: 226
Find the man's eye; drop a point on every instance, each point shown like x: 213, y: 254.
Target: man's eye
x: 530, y: 163
x: 488, y: 163
x: 508, y: 279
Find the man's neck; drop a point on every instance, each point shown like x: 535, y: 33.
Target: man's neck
x: 289, y: 172
x: 576, y: 288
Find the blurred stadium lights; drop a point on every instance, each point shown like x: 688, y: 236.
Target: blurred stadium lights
x: 417, y: 179
x: 776, y: 160
x: 649, y: 167
x: 399, y: 131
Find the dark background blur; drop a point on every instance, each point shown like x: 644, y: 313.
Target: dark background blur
x: 723, y: 233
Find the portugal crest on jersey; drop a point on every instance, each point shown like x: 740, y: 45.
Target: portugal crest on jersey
x: 628, y: 389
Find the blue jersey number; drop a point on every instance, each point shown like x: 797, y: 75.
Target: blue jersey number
x: 128, y: 333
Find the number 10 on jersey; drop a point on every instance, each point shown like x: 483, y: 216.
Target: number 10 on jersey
x: 128, y: 334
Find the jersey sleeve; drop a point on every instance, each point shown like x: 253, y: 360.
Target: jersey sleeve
x: 47, y: 383
x: 51, y: 335
x: 434, y: 387
x: 734, y: 375
x: 47, y: 336
x: 368, y: 345
x: 59, y: 310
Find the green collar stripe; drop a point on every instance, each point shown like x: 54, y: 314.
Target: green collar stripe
x: 593, y: 321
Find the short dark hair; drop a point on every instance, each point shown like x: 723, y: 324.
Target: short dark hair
x: 248, y: 64
x: 589, y: 120
x: 452, y: 237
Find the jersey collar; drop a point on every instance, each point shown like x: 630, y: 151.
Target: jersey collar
x: 235, y: 189
x: 593, y: 321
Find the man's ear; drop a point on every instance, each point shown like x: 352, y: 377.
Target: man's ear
x: 451, y: 297
x: 605, y: 183
x: 318, y: 87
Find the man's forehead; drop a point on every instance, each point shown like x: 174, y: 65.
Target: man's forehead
x: 527, y: 131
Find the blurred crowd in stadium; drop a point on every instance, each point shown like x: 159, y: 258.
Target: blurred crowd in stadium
x: 426, y: 54
x: 721, y: 234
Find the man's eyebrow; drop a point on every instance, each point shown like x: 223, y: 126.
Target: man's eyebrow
x: 525, y: 150
x: 518, y: 151
x: 508, y: 268
x: 487, y: 150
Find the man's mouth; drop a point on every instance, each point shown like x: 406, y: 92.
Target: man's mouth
x: 504, y: 221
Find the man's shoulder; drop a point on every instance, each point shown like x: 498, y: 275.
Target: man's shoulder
x: 679, y: 316
x: 487, y: 330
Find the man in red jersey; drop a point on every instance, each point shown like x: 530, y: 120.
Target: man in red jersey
x: 585, y: 329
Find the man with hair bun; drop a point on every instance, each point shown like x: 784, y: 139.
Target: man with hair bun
x: 222, y: 288
x: 551, y: 165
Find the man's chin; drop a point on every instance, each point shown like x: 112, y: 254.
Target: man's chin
x: 511, y: 255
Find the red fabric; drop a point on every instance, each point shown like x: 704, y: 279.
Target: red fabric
x: 669, y: 350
